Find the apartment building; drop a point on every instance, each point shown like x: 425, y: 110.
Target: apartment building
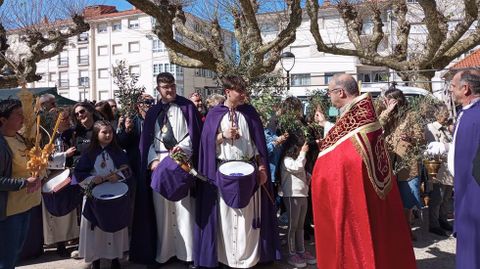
x: 313, y: 69
x: 84, y: 68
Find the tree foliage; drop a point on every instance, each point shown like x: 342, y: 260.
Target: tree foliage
x: 444, y: 30
x: 128, y: 90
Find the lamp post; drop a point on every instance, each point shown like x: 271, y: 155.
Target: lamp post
x: 287, y: 60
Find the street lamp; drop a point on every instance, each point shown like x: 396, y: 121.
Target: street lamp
x: 287, y: 60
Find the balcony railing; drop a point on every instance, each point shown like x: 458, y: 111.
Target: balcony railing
x: 84, y: 82
x: 83, y: 60
x: 63, y: 83
x: 63, y: 61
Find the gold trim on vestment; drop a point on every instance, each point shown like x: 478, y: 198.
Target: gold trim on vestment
x: 356, y: 123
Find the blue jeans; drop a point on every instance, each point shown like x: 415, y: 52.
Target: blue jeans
x: 13, y: 233
x: 410, y: 193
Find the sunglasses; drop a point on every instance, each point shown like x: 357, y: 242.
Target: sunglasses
x: 80, y: 112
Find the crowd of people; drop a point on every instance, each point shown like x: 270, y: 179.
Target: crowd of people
x: 207, y: 182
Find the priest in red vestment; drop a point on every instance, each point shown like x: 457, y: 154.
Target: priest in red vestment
x: 358, y: 216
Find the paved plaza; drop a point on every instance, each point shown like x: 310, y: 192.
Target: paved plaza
x: 431, y: 252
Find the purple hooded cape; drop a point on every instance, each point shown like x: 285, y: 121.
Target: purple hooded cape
x: 467, y: 189
x: 205, y: 230
x: 83, y: 170
x: 143, y: 244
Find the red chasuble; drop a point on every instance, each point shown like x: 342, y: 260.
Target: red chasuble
x: 358, y: 215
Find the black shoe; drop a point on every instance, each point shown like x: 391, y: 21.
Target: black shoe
x: 445, y: 225
x: 95, y: 264
x: 115, y: 264
x: 62, y: 250
x: 438, y: 231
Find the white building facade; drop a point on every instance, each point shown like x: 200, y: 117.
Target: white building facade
x: 313, y: 69
x: 84, y: 69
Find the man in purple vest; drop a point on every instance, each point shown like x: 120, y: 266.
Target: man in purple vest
x: 164, y: 219
x: 463, y: 163
x: 235, y: 225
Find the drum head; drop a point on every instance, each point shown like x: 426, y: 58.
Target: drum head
x: 110, y: 191
x: 236, y: 168
x: 54, y: 181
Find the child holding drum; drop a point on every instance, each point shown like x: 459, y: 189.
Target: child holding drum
x: 294, y: 189
x: 103, y: 228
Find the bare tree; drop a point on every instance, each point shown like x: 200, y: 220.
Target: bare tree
x: 40, y: 30
x: 445, y: 29
x: 206, y: 46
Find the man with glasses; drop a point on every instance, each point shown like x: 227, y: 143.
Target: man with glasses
x: 357, y: 208
x: 163, y: 222
x: 464, y: 164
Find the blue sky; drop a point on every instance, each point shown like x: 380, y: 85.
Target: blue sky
x: 120, y: 4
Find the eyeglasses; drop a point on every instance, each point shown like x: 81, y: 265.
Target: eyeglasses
x: 148, y: 102
x: 333, y: 90
x: 80, y: 112
x: 167, y: 86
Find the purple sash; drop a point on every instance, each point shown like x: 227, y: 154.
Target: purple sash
x: 171, y: 181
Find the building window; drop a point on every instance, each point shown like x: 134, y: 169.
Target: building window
x: 83, y: 37
x: 205, y: 73
x: 102, y: 50
x: 117, y: 49
x: 83, y: 79
x: 63, y: 59
x: 52, y: 77
x: 179, y: 71
x: 133, y: 24
x: 82, y: 56
x: 154, y: 22
x: 102, y: 28
x: 134, y: 70
x: 167, y: 67
x: 157, y: 69
x: 328, y: 77
x: 117, y: 26
x: 300, y: 79
x: 103, y: 95
x: 134, y: 46
x: 103, y: 73
x: 83, y: 95
x: 63, y: 80
x: 158, y: 46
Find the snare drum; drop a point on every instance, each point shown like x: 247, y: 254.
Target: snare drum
x: 109, y: 206
x: 237, y: 183
x: 59, y: 196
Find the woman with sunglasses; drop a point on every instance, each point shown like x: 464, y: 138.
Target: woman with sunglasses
x: 84, y: 116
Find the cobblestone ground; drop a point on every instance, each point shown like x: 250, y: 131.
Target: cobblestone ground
x: 431, y: 251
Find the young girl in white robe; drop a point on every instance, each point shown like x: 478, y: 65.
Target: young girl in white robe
x: 100, y: 165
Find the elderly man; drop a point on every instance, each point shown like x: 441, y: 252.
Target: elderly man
x: 164, y: 219
x: 47, y: 102
x: 464, y: 162
x: 357, y: 209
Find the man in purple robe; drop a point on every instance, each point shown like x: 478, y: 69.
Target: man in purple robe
x: 235, y: 226
x: 173, y: 124
x: 465, y: 90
